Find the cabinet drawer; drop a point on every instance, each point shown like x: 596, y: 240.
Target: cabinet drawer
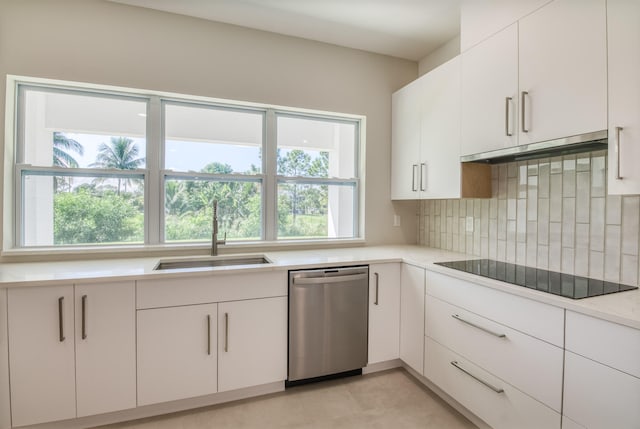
x: 482, y: 342
x: 606, y: 342
x: 508, y: 409
x: 534, y: 318
x: 214, y: 288
x: 599, y: 397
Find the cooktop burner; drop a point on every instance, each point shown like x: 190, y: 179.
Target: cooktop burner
x: 566, y: 285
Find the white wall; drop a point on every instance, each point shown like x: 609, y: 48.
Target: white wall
x: 440, y: 56
x: 107, y: 43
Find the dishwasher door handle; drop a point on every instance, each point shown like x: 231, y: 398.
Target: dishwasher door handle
x: 333, y: 279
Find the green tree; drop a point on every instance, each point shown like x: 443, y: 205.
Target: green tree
x: 82, y: 217
x: 63, y: 147
x: 122, y: 154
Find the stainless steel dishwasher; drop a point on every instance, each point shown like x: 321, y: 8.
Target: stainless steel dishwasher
x: 328, y: 322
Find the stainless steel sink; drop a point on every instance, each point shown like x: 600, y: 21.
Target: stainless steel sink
x: 221, y: 261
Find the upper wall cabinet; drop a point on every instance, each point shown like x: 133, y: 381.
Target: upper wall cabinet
x: 405, y: 136
x: 426, y: 140
x: 481, y: 19
x: 490, y: 93
x: 557, y: 59
x: 563, y: 70
x: 623, y: 17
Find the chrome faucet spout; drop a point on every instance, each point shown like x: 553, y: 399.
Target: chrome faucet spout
x: 214, y: 235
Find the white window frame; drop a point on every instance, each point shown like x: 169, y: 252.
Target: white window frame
x: 155, y: 175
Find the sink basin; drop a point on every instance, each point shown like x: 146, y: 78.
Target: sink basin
x: 220, y: 261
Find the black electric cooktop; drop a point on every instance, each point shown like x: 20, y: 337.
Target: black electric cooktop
x: 566, y: 285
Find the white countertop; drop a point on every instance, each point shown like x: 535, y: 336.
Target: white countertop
x: 623, y: 307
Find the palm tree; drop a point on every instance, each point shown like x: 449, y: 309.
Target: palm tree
x: 122, y: 154
x: 62, y: 146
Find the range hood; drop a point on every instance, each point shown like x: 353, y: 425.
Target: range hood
x: 565, y: 146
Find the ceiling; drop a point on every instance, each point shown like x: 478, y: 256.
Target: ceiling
x: 409, y: 29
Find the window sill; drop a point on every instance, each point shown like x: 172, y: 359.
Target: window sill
x: 42, y: 254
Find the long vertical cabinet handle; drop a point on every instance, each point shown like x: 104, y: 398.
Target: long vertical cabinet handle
x: 377, y: 287
x: 84, y: 317
x: 423, y: 175
x: 60, y: 318
x: 226, y: 332
x: 208, y: 334
x: 523, y: 115
x: 507, y: 109
x: 618, y: 131
x: 414, y: 186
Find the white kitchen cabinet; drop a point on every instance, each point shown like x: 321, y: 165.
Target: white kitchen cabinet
x: 499, y: 349
x: 600, y: 397
x: 624, y: 96
x: 59, y: 371
x: 563, y: 70
x: 426, y: 136
x: 499, y: 404
x: 384, y: 312
x: 177, y: 353
x: 41, y: 354
x: 439, y: 169
x: 105, y: 347
x: 490, y: 94
x: 602, y: 373
x: 412, y: 295
x: 405, y: 147
x: 252, y: 342
x: 481, y: 19
x: 542, y: 78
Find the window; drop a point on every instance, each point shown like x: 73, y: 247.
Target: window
x: 317, y: 184
x: 81, y: 168
x: 103, y: 167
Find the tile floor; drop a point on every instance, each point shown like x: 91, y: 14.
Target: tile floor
x: 389, y: 399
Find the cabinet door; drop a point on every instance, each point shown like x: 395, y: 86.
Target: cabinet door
x: 252, y: 342
x: 563, y: 68
x: 490, y: 94
x: 599, y: 397
x: 384, y: 312
x: 105, y: 347
x: 481, y: 19
x: 412, y: 316
x: 177, y: 356
x: 41, y: 354
x: 624, y: 96
x: 405, y: 141
x: 440, y: 132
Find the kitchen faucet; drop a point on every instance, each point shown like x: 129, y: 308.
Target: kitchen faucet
x: 214, y: 236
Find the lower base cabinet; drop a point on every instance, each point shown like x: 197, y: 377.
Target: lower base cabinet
x: 412, y: 281
x: 252, y: 342
x: 597, y: 396
x: 71, y: 351
x: 197, y: 350
x: 499, y: 404
x: 177, y: 353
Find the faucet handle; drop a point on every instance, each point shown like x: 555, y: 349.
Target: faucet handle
x: 224, y: 240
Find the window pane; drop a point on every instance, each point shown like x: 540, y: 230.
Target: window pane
x: 189, y: 210
x: 67, y: 210
x: 316, y: 148
x: 315, y: 210
x: 76, y: 130
x: 213, y: 140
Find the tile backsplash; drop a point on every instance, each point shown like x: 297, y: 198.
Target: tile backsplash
x: 551, y: 213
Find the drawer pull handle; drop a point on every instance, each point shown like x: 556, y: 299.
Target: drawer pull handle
x: 488, y: 331
x: 479, y: 380
x: 618, y: 130
x: 524, y: 94
x: 507, y: 105
x: 226, y: 332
